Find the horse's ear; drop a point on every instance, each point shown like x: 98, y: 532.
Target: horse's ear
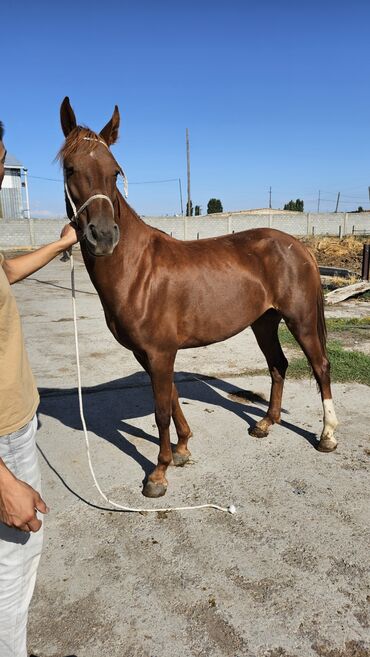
x: 67, y: 117
x: 110, y: 131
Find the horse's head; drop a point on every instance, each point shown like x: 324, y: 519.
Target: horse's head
x: 2, y: 154
x: 90, y: 174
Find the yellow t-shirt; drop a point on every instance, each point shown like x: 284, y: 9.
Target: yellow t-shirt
x: 19, y: 397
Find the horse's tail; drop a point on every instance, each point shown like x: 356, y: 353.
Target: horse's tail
x: 320, y: 320
x: 321, y: 324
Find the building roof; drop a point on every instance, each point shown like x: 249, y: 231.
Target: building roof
x: 11, y: 162
x: 256, y: 211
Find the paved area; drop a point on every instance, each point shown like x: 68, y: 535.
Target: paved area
x: 284, y: 577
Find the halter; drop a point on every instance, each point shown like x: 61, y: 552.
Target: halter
x: 76, y: 213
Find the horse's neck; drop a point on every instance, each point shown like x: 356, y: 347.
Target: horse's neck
x: 130, y: 224
x: 134, y: 236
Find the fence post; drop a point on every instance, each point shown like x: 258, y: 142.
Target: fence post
x: 365, y: 262
x: 32, y: 231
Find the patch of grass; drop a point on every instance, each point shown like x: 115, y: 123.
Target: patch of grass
x: 335, y: 325
x: 347, y: 323
x: 346, y: 366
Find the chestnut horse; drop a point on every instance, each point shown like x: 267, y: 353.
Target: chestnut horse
x: 160, y: 294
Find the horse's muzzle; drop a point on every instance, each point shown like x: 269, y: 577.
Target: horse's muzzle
x: 101, y: 241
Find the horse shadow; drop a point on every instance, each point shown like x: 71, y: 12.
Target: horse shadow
x: 110, y: 407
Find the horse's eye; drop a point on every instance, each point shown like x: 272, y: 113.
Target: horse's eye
x: 117, y: 173
x: 68, y: 171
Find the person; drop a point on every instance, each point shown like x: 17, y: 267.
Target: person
x: 20, y: 488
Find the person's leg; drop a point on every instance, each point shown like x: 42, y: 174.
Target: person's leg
x: 19, y: 551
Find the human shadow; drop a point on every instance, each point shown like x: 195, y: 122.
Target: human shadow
x: 109, y: 408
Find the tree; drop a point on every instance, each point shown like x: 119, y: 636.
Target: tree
x: 189, y: 211
x: 197, y: 210
x: 214, y: 205
x: 295, y: 206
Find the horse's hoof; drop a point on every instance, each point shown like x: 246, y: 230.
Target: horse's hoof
x: 257, y: 432
x: 179, y: 460
x: 151, y: 489
x: 327, y: 445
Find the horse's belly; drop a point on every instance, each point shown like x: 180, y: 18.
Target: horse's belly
x: 220, y: 321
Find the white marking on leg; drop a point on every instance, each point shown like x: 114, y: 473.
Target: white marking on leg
x: 330, y: 421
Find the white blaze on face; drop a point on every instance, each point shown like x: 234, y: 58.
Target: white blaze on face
x: 330, y: 421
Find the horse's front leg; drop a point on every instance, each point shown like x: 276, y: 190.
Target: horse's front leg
x: 180, y: 454
x: 161, y: 374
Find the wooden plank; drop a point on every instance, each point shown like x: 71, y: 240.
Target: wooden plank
x: 343, y: 293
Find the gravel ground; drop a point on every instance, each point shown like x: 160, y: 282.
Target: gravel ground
x: 286, y: 576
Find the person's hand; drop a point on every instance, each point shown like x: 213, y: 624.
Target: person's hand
x: 18, y: 505
x: 69, y: 236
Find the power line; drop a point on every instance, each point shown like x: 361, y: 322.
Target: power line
x: 141, y: 182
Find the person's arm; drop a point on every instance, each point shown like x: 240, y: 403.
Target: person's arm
x: 22, y: 266
x: 19, y: 502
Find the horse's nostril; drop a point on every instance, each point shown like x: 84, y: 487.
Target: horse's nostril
x: 93, y: 231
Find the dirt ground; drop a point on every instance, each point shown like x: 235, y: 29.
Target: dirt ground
x: 287, y: 576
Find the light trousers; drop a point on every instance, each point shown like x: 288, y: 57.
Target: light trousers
x: 19, y: 551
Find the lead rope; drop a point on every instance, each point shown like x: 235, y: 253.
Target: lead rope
x: 229, y: 509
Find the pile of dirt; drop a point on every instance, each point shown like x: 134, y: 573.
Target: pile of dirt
x: 343, y: 252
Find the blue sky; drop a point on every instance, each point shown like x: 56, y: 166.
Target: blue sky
x: 273, y: 93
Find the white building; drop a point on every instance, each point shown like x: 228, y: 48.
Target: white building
x: 14, y: 192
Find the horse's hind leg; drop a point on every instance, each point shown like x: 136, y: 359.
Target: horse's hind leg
x: 266, y: 331
x: 180, y: 454
x: 306, y: 333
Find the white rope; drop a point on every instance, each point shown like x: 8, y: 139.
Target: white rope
x: 229, y: 509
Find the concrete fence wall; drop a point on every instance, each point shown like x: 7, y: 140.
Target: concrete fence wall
x: 35, y: 232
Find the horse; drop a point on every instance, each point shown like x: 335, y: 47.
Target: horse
x: 160, y: 294
x: 2, y: 154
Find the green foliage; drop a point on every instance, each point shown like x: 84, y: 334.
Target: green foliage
x: 189, y: 211
x: 197, y: 210
x: 214, y: 205
x: 295, y: 206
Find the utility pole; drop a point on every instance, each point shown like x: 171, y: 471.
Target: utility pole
x: 270, y: 206
x: 188, y: 170
x: 318, y: 203
x: 182, y: 209
x: 27, y: 211
x: 336, y: 207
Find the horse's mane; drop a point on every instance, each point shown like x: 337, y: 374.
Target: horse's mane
x: 79, y: 139
x: 1, y: 130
